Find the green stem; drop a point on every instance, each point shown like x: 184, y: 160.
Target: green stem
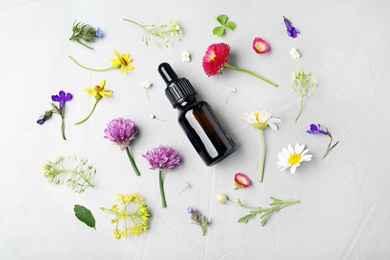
x: 262, y: 155
x: 99, y: 70
x: 251, y: 73
x: 300, y: 108
x: 164, y: 204
x: 132, y: 162
x: 89, y: 115
x: 77, y: 40
x: 330, y: 147
x: 63, y: 127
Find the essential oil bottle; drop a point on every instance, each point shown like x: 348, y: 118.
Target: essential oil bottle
x: 197, y: 119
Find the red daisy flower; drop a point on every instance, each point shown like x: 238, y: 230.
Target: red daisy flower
x: 215, y: 58
x: 260, y: 45
x: 241, y: 181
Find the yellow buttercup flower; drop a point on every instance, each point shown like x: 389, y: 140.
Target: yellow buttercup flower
x: 122, y: 62
x: 99, y: 91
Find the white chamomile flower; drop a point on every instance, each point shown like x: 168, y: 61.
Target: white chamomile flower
x: 294, y: 53
x: 292, y: 157
x: 260, y: 120
x: 185, y: 56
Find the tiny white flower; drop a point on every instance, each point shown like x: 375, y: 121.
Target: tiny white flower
x: 292, y: 157
x: 146, y: 84
x: 294, y: 53
x: 260, y: 120
x: 229, y: 90
x: 185, y: 56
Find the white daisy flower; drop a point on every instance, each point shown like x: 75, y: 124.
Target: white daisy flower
x: 294, y: 53
x: 260, y: 120
x: 185, y: 56
x: 292, y: 157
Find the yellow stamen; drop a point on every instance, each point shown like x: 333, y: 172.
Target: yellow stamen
x: 212, y: 57
x: 294, y: 158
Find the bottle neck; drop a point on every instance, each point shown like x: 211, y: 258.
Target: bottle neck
x: 187, y: 102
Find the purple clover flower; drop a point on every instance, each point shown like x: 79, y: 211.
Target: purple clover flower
x: 121, y: 131
x: 291, y: 30
x: 162, y: 157
x: 316, y: 129
x: 62, y: 98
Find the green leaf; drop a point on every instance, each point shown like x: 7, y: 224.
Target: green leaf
x: 218, y: 31
x: 231, y: 25
x: 239, y: 202
x: 85, y: 215
x: 222, y: 19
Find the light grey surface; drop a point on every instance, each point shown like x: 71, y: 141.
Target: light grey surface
x: 344, y: 210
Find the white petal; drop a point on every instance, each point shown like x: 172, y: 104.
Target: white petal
x: 293, y: 169
x: 306, y: 157
x: 304, y: 152
x: 273, y: 126
x: 290, y: 149
x: 286, y: 152
x: 299, y: 148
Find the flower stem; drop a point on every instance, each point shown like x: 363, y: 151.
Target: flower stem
x: 132, y: 162
x: 89, y: 115
x: 251, y: 73
x: 330, y: 147
x: 300, y: 108
x: 164, y: 204
x: 262, y: 155
x: 63, y: 127
x: 99, y: 70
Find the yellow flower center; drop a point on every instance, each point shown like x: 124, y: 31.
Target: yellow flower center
x: 212, y: 57
x: 123, y: 62
x: 294, y: 158
x: 259, y: 47
x: 97, y: 88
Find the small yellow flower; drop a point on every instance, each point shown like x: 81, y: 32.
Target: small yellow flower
x: 122, y: 62
x: 117, y: 234
x: 222, y: 198
x: 99, y: 91
x: 114, y: 207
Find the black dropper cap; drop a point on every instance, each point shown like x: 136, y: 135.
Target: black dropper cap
x: 178, y: 89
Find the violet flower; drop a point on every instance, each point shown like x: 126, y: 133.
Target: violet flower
x: 62, y: 97
x: 291, y: 30
x: 162, y: 158
x: 316, y: 129
x: 122, y: 131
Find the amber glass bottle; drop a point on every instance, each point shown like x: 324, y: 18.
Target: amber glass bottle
x: 197, y: 119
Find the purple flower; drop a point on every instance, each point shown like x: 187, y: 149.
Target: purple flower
x: 62, y: 98
x: 162, y: 157
x: 99, y: 32
x: 291, y: 31
x: 316, y: 129
x: 121, y: 131
x: 45, y: 117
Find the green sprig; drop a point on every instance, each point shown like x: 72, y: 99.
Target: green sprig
x: 77, y: 173
x: 83, y: 32
x: 224, y: 24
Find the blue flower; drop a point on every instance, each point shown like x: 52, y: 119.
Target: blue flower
x: 189, y: 210
x: 291, y: 31
x: 62, y: 98
x: 316, y: 129
x: 99, y: 32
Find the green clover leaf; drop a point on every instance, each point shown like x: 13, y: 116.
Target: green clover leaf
x: 224, y: 24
